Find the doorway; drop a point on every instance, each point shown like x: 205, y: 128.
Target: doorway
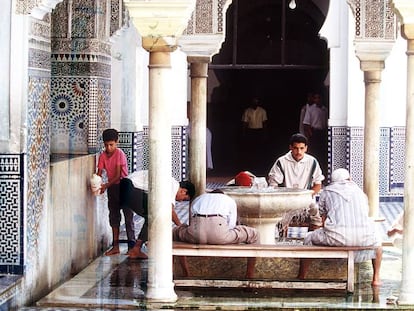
x: 271, y: 52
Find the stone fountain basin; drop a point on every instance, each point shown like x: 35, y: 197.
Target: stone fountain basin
x: 267, y: 202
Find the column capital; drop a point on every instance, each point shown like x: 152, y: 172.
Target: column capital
x: 372, y: 65
x: 44, y: 7
x: 159, y: 43
x: 407, y: 31
x: 373, y: 51
x: 404, y: 10
x: 160, y: 22
x: 201, y: 45
x: 198, y: 59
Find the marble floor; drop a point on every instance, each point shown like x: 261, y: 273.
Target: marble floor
x: 118, y: 283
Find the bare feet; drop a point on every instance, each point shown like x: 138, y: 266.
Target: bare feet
x: 136, y: 253
x: 113, y: 251
x: 394, y: 231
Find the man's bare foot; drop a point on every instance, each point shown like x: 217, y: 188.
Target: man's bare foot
x: 133, y: 254
x: 394, y: 231
x: 113, y: 251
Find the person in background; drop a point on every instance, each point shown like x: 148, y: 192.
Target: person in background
x: 114, y: 162
x: 254, y: 134
x: 255, y: 116
x: 315, y: 123
x: 309, y: 98
x: 344, y: 208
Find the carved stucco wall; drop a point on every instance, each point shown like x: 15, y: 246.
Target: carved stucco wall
x: 25, y: 6
x: 373, y: 19
x: 208, y: 17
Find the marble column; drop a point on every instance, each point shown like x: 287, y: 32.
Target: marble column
x: 372, y: 79
x: 160, y: 23
x: 198, y: 121
x: 407, y: 284
x: 160, y: 284
x: 405, y: 11
x: 372, y: 55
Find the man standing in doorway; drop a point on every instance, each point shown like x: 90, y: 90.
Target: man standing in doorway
x: 315, y: 124
x: 254, y: 131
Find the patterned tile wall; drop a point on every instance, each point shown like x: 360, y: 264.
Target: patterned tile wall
x: 384, y: 161
x: 347, y: 150
x: 80, y: 111
x: 38, y: 160
x: 11, y: 213
x: 129, y: 142
x: 179, y: 152
x: 81, y: 72
x: 397, y: 168
x: 70, y: 121
x: 38, y: 136
x: 338, y: 148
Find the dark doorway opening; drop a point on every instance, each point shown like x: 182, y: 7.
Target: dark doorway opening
x: 270, y: 52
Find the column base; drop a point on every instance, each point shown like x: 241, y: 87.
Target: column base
x: 161, y: 294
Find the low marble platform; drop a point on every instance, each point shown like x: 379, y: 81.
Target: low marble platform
x: 117, y: 283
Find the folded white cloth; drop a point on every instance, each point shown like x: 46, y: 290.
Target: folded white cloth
x: 96, y: 183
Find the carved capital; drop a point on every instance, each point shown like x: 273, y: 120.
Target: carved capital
x: 373, y: 50
x: 198, y: 59
x: 404, y: 10
x: 205, y: 38
x: 407, y: 31
x: 44, y: 7
x: 159, y: 44
x: 202, y: 45
x: 375, y: 66
x: 160, y: 22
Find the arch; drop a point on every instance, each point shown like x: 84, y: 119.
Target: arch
x: 253, y: 61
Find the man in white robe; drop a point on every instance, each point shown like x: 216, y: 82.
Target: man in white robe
x: 344, y: 209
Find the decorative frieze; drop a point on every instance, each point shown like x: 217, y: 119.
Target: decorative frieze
x: 373, y: 19
x: 204, y: 33
x: 37, y: 8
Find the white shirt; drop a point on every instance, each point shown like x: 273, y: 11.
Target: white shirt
x: 140, y: 181
x: 216, y: 203
x: 316, y: 116
x: 295, y: 173
x: 255, y: 117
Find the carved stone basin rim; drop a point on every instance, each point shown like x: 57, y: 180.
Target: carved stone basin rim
x: 267, y: 202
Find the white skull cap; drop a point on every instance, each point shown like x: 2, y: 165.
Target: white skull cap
x: 340, y: 174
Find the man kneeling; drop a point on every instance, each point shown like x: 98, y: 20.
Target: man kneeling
x: 213, y: 221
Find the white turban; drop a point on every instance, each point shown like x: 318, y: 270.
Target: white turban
x: 340, y: 174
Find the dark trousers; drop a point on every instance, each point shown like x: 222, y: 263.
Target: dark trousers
x: 115, y: 212
x: 135, y: 199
